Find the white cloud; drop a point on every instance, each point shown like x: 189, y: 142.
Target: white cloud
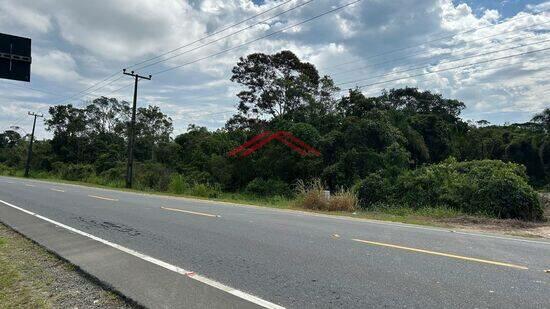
x: 56, y: 65
x: 16, y: 14
x: 79, y: 42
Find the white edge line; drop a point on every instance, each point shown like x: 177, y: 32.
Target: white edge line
x: 179, y: 270
x: 301, y: 212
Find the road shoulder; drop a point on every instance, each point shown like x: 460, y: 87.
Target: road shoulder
x: 143, y: 282
x: 34, y: 278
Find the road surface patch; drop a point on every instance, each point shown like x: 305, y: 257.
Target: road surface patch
x: 466, y: 258
x: 104, y: 198
x: 191, y: 212
x: 190, y: 274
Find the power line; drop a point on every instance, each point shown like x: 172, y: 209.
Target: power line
x: 31, y: 88
x: 454, y: 68
x: 147, y: 60
x: 460, y: 50
x: 456, y: 60
x: 259, y: 38
x: 223, y: 37
x: 437, y: 39
x: 92, y: 86
x: 427, y: 78
x: 212, y: 34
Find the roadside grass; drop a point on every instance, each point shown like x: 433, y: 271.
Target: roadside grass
x: 17, y: 288
x: 31, y: 277
x: 429, y: 216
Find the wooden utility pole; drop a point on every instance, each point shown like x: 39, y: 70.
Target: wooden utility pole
x: 29, y: 152
x: 131, y: 131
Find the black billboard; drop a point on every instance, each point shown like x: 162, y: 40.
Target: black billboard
x: 15, y: 57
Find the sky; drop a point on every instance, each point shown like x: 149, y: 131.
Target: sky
x: 489, y: 54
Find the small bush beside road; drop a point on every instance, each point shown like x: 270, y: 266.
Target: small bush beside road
x: 487, y: 187
x: 312, y: 196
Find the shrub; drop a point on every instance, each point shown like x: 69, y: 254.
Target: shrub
x: 270, y: 187
x: 75, y: 172
x: 371, y: 190
x: 177, y: 184
x: 6, y: 170
x: 113, y: 175
x: 204, y: 190
x: 488, y: 187
x: 343, y: 200
x: 152, y: 176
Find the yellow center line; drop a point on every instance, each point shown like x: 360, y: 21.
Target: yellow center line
x: 57, y: 190
x: 440, y: 254
x: 104, y: 198
x: 191, y: 212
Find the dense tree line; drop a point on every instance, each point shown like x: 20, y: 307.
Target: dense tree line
x: 359, y: 137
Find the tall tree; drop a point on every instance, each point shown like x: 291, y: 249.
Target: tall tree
x: 276, y: 85
x: 107, y: 115
x: 9, y: 139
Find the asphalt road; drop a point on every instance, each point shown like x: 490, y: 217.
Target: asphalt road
x: 300, y: 260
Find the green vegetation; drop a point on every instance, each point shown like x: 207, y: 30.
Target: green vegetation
x: 405, y: 150
x: 487, y: 187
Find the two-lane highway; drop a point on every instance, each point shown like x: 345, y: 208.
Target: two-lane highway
x: 300, y: 260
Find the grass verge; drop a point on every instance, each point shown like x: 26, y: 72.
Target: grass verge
x: 30, y: 277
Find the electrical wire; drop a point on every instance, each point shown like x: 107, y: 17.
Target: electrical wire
x: 516, y: 18
x: 226, y: 36
x: 456, y: 67
x: 211, y: 34
x: 183, y: 46
x: 450, y: 52
x: 443, y: 63
x: 259, y: 38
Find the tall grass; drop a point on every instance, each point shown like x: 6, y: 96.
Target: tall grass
x: 312, y: 196
x: 343, y: 200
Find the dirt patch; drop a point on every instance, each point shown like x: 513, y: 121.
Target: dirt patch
x: 33, y: 278
x: 511, y: 227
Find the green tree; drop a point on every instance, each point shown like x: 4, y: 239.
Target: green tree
x: 276, y: 85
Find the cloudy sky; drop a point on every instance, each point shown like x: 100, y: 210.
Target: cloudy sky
x: 500, y: 71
